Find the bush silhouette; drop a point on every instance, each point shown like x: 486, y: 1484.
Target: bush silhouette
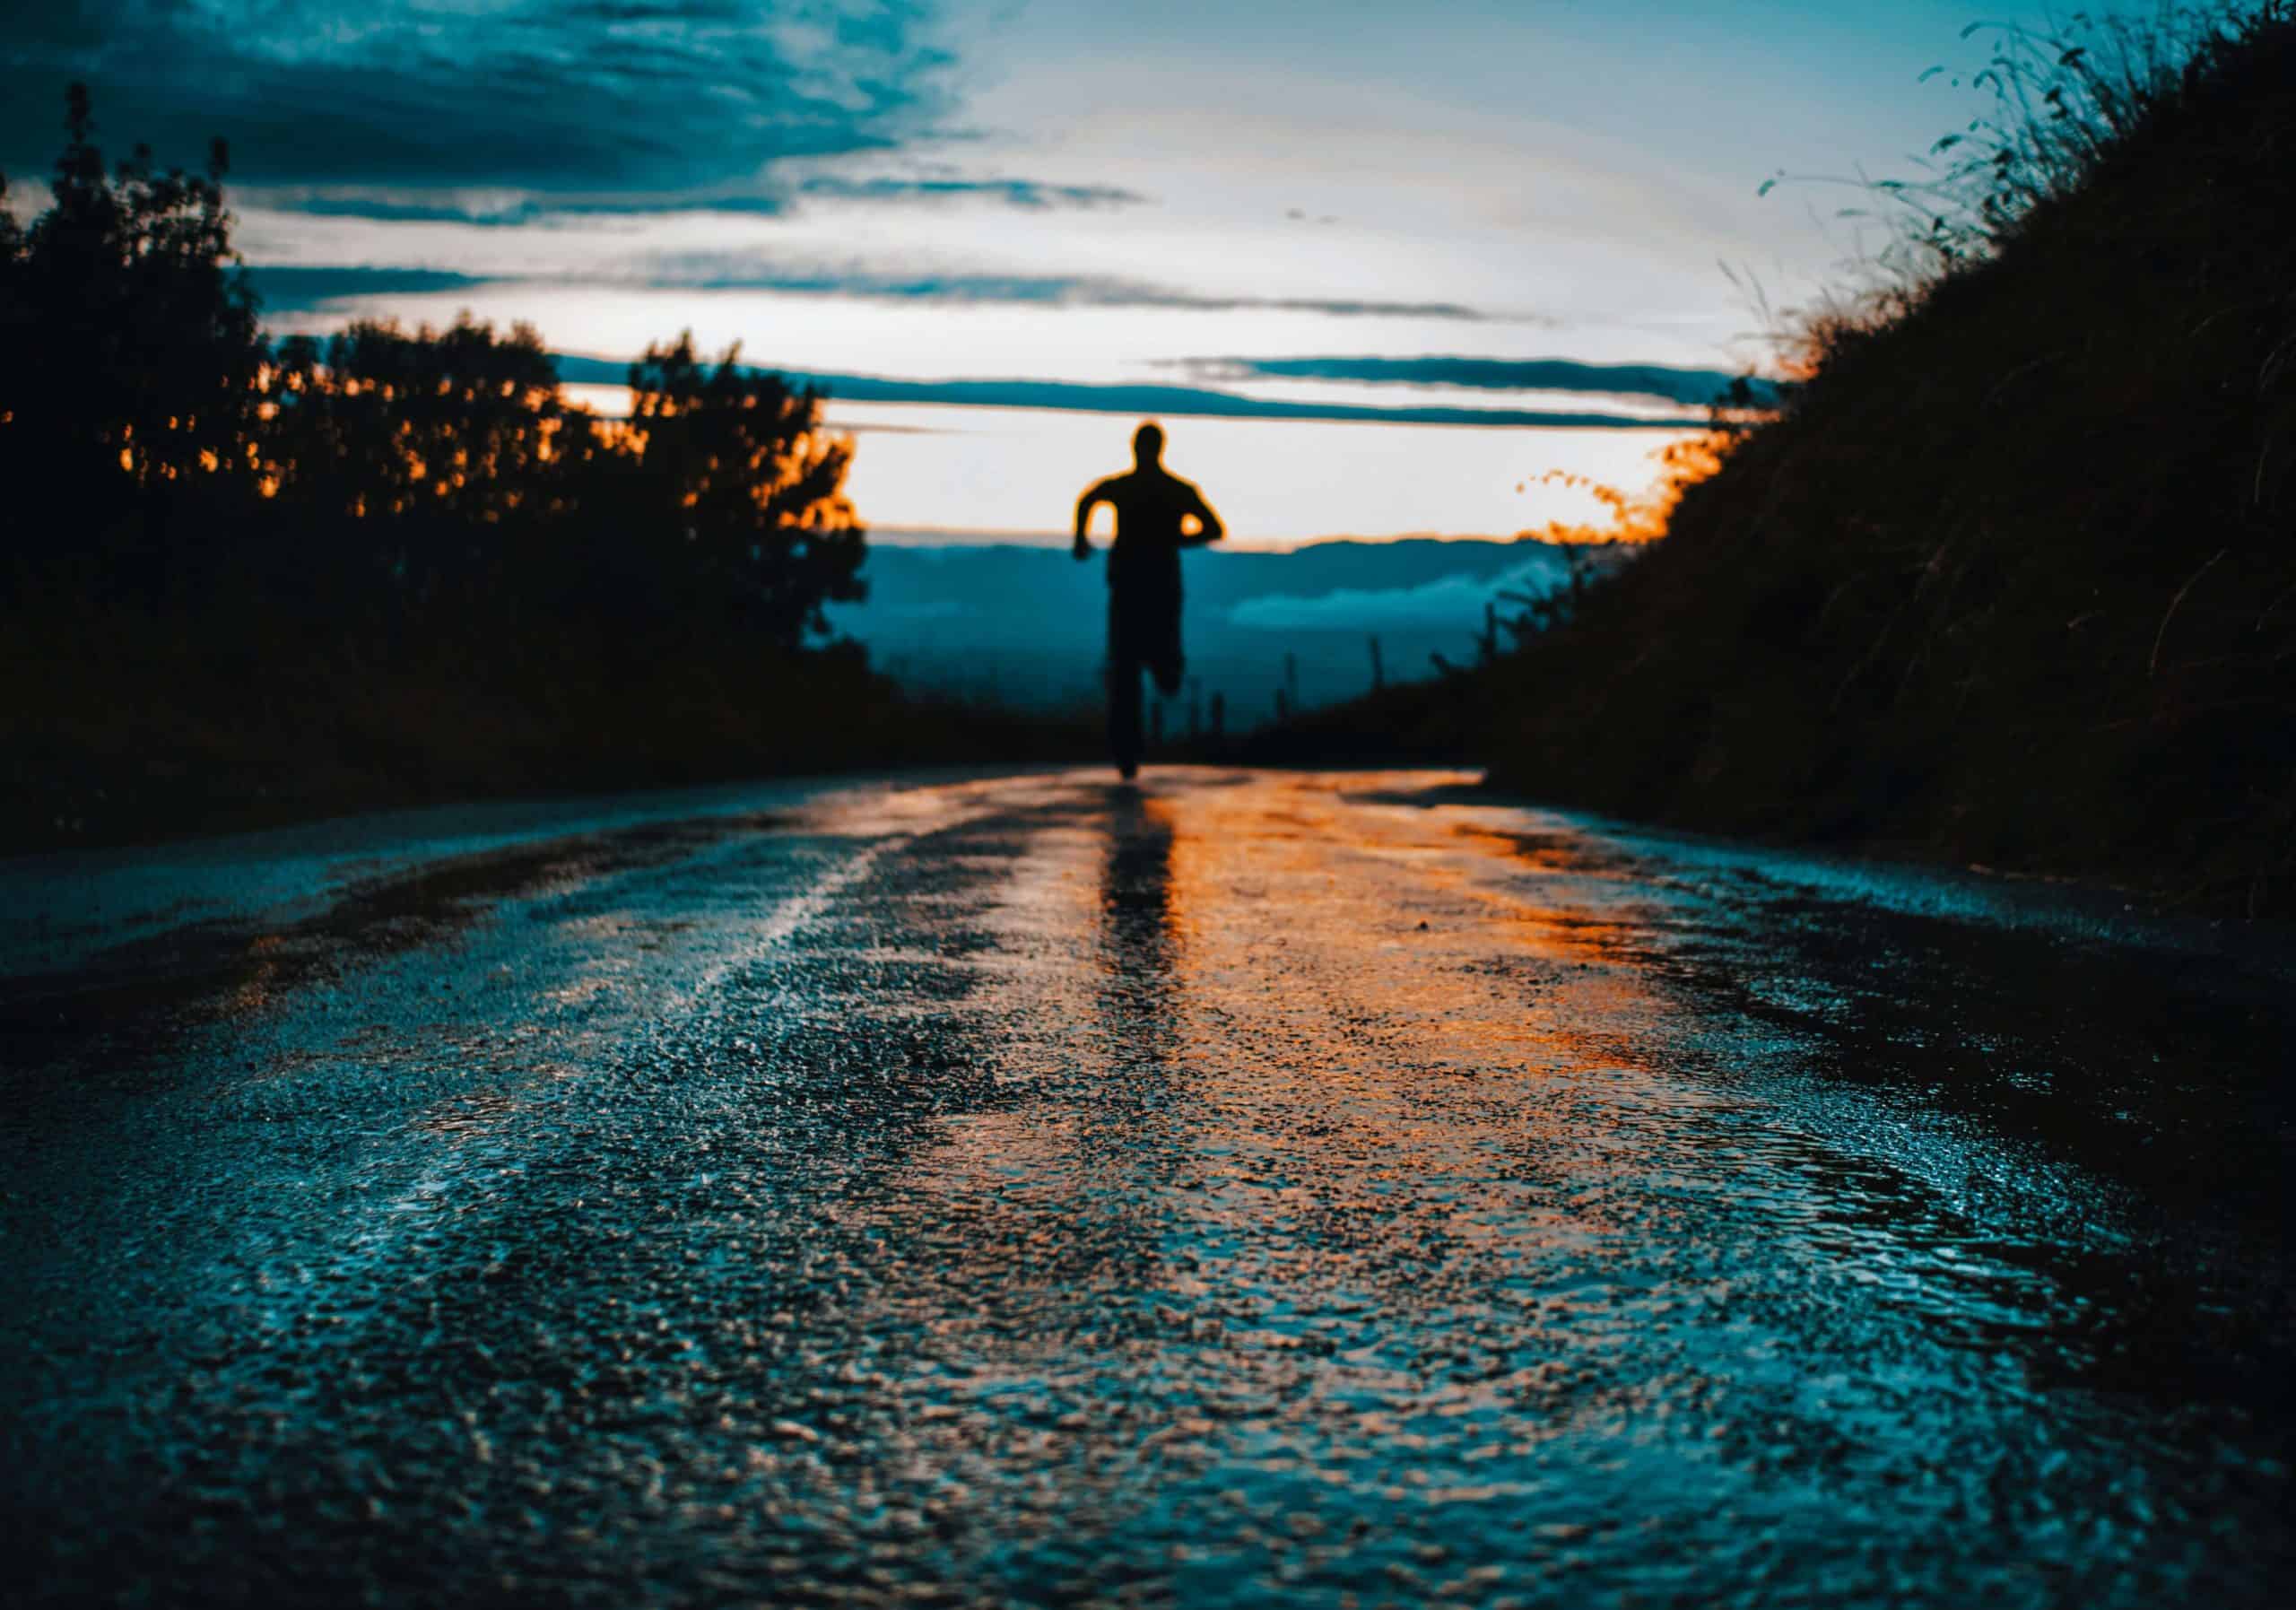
x: 242, y: 578
x: 411, y: 472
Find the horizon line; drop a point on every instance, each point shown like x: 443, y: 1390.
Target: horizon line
x: 917, y: 536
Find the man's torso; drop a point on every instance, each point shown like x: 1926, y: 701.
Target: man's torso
x: 1144, y: 561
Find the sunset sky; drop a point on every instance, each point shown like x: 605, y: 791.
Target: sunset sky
x: 1310, y: 208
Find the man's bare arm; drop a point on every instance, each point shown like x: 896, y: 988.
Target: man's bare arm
x: 1208, y: 526
x: 1094, y: 494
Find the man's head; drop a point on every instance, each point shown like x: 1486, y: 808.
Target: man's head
x: 1147, y: 446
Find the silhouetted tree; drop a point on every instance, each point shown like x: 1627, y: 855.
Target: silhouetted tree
x: 432, y: 481
x: 133, y: 349
x: 390, y: 563
x: 427, y: 455
x: 731, y: 474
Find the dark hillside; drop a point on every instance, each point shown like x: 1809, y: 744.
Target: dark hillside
x: 2014, y: 580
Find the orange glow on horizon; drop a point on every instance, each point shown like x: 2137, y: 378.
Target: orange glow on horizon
x: 1640, y: 517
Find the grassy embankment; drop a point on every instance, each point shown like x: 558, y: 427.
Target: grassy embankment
x: 2012, y: 580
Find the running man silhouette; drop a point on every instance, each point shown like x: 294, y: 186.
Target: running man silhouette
x: 1153, y: 507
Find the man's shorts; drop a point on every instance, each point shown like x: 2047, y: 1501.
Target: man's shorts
x: 1147, y: 636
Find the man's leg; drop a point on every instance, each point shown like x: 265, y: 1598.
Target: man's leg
x: 1167, y: 664
x: 1124, y: 706
x: 1163, y: 652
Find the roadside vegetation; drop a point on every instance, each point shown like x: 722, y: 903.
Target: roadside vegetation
x: 245, y: 579
x: 2010, y: 579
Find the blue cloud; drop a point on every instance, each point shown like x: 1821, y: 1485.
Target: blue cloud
x: 764, y: 196
x: 550, y: 95
x: 734, y: 271
x: 1031, y: 195
x: 500, y: 211
x: 295, y: 288
x: 1695, y: 387
x: 1177, y: 401
x: 299, y: 289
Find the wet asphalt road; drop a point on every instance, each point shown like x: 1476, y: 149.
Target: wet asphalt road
x: 1247, y: 1189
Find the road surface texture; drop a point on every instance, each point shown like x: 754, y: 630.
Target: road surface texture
x: 1244, y: 1189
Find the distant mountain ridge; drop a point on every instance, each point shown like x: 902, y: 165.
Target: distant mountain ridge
x: 1025, y: 624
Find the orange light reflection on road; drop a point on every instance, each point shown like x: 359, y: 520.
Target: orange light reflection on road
x: 1416, y: 1074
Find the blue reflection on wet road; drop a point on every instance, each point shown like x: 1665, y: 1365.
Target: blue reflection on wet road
x: 1252, y: 1188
